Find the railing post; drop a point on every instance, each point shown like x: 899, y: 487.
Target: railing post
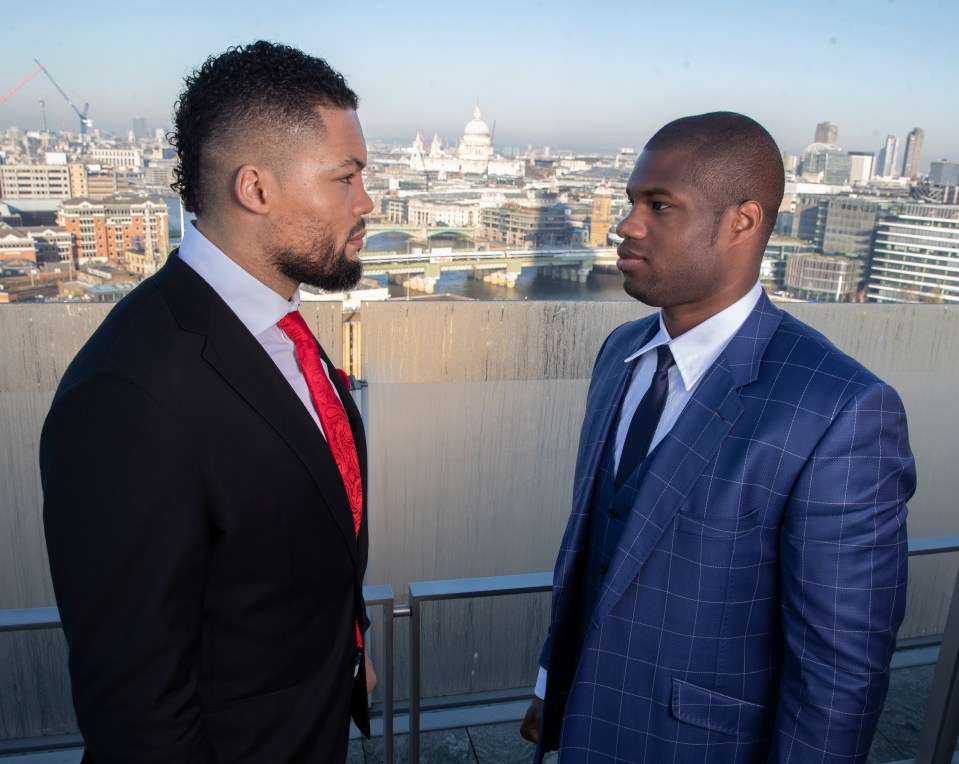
x: 940, y: 725
x: 382, y: 595
x: 414, y: 679
x: 388, y: 698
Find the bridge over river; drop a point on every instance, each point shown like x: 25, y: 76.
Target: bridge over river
x: 422, y: 270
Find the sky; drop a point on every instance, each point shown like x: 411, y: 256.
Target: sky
x: 593, y: 74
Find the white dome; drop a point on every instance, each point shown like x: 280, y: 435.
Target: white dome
x: 477, y: 128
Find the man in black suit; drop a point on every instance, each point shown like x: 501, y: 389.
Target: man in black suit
x: 206, y: 553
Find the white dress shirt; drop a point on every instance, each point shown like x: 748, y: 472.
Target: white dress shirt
x: 256, y: 305
x: 694, y: 352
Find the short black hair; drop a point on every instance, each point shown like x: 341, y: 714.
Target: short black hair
x: 735, y: 160
x: 245, y: 90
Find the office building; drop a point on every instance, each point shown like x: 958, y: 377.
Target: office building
x: 114, y: 157
x: 862, y: 164
x: 772, y: 271
x: 394, y: 208
x: 518, y: 226
x: 438, y: 211
x: 826, y: 132
x: 913, y: 153
x: 822, y: 163
x: 846, y: 225
x: 831, y: 278
x: 944, y: 173
x: 887, y: 158
x: 916, y: 255
x: 20, y: 182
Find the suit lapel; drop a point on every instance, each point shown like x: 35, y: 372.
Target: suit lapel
x: 612, y: 376
x: 243, y: 364
x: 675, y: 465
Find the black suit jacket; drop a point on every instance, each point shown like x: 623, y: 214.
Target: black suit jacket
x: 201, y: 542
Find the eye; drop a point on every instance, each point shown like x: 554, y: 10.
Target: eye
x: 660, y: 206
x: 348, y: 178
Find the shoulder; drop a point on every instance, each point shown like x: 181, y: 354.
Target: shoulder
x: 136, y: 341
x: 802, y: 364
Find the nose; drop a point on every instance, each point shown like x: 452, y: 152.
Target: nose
x: 364, y: 202
x: 632, y: 226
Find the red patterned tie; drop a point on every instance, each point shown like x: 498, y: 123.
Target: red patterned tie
x: 332, y: 415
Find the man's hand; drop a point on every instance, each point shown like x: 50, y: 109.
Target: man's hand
x: 529, y: 728
x: 370, y: 673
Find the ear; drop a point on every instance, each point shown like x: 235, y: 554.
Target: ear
x: 250, y: 189
x: 747, y: 221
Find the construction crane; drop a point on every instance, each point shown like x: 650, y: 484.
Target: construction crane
x: 84, y: 122
x: 34, y: 72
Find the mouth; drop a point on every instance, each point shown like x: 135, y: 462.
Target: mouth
x: 629, y: 259
x: 357, y: 235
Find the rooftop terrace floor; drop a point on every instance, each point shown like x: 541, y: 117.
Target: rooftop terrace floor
x: 501, y: 744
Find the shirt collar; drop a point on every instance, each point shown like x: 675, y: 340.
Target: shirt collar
x: 696, y: 350
x: 256, y: 305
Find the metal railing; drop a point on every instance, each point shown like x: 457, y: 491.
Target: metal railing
x: 937, y: 740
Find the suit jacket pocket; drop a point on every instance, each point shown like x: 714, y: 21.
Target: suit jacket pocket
x: 720, y: 713
x: 717, y: 526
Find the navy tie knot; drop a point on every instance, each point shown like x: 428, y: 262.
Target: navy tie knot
x: 664, y: 359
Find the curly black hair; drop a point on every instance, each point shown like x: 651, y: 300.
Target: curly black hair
x: 248, y: 88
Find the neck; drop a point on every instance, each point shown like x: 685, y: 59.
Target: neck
x: 242, y: 248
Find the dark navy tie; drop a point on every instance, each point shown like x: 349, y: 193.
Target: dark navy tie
x: 646, y: 418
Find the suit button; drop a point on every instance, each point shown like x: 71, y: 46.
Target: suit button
x: 602, y: 569
x: 612, y: 514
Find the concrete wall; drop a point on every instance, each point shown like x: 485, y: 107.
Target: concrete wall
x: 473, y: 415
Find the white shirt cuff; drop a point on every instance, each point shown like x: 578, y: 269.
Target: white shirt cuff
x: 540, y: 690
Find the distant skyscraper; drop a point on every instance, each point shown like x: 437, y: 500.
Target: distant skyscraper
x: 910, y: 162
x: 826, y: 132
x: 887, y: 157
x: 140, y: 127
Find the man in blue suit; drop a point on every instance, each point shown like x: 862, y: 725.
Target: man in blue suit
x: 729, y: 589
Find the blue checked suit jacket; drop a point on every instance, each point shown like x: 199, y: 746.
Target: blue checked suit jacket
x: 750, y: 610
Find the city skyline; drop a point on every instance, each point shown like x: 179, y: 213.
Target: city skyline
x: 558, y: 74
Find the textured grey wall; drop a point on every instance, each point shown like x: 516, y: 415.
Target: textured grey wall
x: 474, y: 412
x: 473, y: 419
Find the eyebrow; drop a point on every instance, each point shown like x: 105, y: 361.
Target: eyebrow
x: 351, y: 161
x: 648, y: 192
x: 656, y: 191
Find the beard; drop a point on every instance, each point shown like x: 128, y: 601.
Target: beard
x: 320, y: 262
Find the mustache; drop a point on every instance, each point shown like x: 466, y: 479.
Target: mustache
x: 356, y: 230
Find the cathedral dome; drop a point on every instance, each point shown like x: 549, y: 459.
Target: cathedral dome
x: 476, y: 129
